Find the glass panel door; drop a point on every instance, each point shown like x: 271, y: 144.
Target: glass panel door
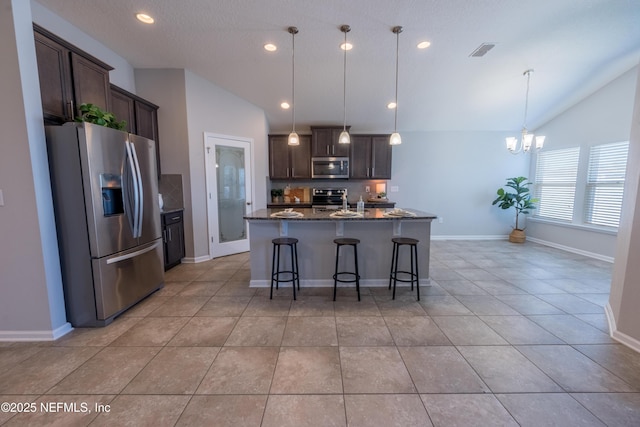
x: 228, y: 174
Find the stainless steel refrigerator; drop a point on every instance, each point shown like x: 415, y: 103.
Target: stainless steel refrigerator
x: 105, y: 193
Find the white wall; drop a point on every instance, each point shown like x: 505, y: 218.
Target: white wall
x: 212, y: 109
x: 31, y: 298
x: 166, y: 88
x: 605, y: 116
x: 622, y: 310
x: 190, y: 106
x: 455, y: 175
x: 121, y: 75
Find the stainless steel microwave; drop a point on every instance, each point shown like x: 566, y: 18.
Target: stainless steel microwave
x: 329, y: 167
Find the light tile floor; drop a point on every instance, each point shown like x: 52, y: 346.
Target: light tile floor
x: 505, y: 335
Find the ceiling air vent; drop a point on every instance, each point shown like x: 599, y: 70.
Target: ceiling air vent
x: 482, y: 50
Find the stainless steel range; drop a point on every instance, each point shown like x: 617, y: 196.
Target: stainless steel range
x: 327, y: 198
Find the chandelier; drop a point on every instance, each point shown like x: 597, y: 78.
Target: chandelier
x: 527, y: 138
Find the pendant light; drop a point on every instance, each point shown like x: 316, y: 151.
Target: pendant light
x: 344, y: 137
x: 527, y: 138
x: 294, y: 139
x: 395, y: 138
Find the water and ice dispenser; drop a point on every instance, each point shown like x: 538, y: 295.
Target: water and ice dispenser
x: 112, y: 202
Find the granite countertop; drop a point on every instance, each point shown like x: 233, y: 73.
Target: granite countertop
x: 166, y: 210
x: 309, y: 214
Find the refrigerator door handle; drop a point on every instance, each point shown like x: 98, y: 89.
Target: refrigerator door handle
x: 140, y: 198
x: 131, y: 181
x: 132, y: 254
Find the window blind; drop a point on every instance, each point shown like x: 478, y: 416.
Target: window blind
x: 605, y: 183
x: 555, y: 184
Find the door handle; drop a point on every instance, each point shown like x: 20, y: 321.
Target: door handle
x: 248, y: 203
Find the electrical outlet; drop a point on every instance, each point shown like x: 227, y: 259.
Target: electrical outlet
x: 394, y: 189
x: 1, y: 198
x: 367, y: 189
x: 440, y: 220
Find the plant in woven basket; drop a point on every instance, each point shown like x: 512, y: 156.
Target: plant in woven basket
x: 520, y: 200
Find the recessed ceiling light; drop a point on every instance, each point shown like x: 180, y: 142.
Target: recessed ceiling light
x: 143, y: 17
x: 285, y: 105
x: 270, y: 47
x: 349, y: 46
x: 424, y: 45
x: 391, y: 105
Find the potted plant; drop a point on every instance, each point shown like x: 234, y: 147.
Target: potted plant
x: 521, y: 201
x: 276, y: 194
x: 93, y: 114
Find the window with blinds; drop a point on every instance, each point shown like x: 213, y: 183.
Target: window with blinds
x: 605, y: 183
x: 555, y: 184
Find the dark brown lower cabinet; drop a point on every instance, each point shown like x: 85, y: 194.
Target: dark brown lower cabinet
x: 173, y: 238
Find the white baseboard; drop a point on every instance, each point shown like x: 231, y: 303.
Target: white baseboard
x: 470, y: 237
x: 622, y: 338
x: 572, y: 250
x: 36, y: 335
x: 192, y: 260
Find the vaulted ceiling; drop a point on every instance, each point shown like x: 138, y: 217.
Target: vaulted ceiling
x: 574, y: 46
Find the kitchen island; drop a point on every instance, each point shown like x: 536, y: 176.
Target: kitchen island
x: 315, y: 229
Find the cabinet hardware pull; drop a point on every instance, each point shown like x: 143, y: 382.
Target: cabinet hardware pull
x: 170, y: 236
x: 175, y: 217
x: 70, y: 107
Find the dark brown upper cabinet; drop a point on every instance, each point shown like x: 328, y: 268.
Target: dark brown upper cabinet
x: 141, y: 115
x: 324, y: 141
x: 68, y: 77
x: 370, y: 157
x: 289, y: 162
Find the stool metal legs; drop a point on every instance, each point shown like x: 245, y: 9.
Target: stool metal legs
x: 275, y: 265
x: 413, y: 273
x: 356, y: 274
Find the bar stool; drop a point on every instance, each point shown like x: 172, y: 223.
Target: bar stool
x: 356, y: 275
x: 398, y: 242
x: 275, y: 263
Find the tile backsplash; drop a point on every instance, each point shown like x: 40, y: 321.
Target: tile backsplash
x: 355, y: 188
x: 170, y: 186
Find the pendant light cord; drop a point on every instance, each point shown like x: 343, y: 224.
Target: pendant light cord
x: 526, y: 99
x: 396, y: 30
x: 293, y: 31
x: 293, y: 79
x: 345, y: 29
